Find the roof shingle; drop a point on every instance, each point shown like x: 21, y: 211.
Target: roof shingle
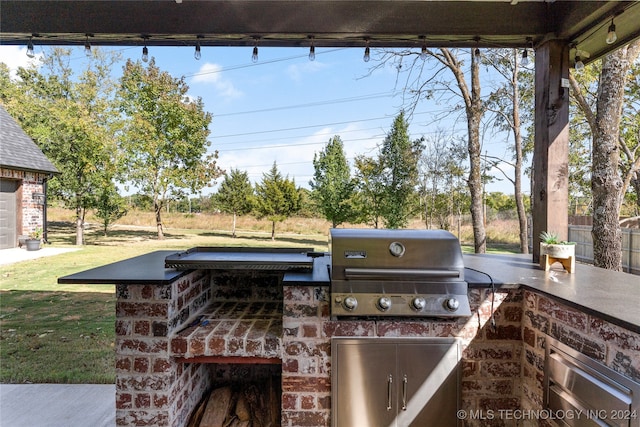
x: 17, y: 150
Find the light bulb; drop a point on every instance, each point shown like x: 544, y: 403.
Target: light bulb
x: 30, y: 52
x: 525, y: 58
x: 312, y: 53
x: 145, y: 54
x: 611, y: 34
x: 423, y: 52
x: 579, y: 64
x: 367, y: 51
x: 254, y: 56
x: 477, y: 54
x: 197, y: 54
x: 87, y: 47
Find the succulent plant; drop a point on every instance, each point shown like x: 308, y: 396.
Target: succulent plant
x: 549, y: 238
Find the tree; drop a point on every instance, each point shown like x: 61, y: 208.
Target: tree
x: 332, y: 185
x: 423, y: 81
x: 165, y: 139
x: 399, y: 160
x: 276, y: 198
x: 505, y: 102
x: 109, y: 206
x: 606, y: 183
x: 73, y: 120
x: 370, y: 195
x: 442, y: 180
x: 235, y: 195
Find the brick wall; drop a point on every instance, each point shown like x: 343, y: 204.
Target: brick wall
x: 602, y: 341
x: 152, y: 389
x: 31, y: 215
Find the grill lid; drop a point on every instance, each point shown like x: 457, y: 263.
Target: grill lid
x: 410, y: 255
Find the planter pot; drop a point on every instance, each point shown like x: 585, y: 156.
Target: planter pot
x: 32, y: 244
x: 557, y: 251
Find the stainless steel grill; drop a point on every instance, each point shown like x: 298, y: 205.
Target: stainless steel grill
x: 417, y: 273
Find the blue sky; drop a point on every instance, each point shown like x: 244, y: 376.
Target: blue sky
x: 284, y: 107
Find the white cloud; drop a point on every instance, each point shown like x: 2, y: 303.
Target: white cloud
x: 16, y: 56
x: 295, y: 157
x: 297, y: 71
x: 211, y: 74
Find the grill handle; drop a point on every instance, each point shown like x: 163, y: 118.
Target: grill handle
x: 404, y: 273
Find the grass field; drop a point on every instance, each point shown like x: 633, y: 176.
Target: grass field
x: 51, y: 333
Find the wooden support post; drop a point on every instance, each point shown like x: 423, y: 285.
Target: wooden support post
x: 550, y: 189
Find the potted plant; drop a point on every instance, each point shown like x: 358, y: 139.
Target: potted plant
x: 34, y: 240
x: 551, y: 245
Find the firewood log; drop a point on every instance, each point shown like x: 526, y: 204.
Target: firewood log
x: 218, y: 407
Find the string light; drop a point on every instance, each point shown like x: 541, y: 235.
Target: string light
x: 254, y: 55
x: 30, y: 51
x: 477, y: 54
x: 423, y: 50
x: 312, y: 51
x: 367, y: 52
x: 525, y: 58
x: 87, y: 46
x: 611, y: 33
x: 145, y: 54
x: 197, y: 54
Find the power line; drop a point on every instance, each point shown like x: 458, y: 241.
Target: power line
x: 268, y: 147
x: 318, y: 125
x: 314, y: 104
x: 272, y: 61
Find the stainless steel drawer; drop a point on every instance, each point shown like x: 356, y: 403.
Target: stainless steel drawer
x: 590, y: 393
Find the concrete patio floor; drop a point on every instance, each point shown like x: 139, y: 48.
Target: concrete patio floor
x: 57, y: 405
x: 9, y: 256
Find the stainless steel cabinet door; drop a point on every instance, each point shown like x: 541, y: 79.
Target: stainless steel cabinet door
x: 428, y: 384
x: 395, y: 382
x: 364, y: 385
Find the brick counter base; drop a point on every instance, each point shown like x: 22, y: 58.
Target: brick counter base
x: 502, y: 363
x: 491, y: 357
x: 151, y: 388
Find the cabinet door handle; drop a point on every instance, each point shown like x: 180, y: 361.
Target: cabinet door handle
x: 389, y: 382
x: 404, y: 392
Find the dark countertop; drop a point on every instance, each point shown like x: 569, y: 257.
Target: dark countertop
x: 613, y: 296
x: 143, y: 269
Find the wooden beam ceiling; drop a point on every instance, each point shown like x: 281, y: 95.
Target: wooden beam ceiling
x: 331, y: 23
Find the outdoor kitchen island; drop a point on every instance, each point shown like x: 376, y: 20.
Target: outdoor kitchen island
x: 168, y: 352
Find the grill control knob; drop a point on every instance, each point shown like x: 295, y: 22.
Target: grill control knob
x: 350, y: 303
x: 384, y: 303
x: 451, y: 304
x: 418, y: 303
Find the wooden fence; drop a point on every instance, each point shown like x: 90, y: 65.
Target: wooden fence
x: 581, y: 234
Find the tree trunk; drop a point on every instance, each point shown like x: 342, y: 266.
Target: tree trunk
x: 158, y: 209
x: 517, y: 183
x: 474, y: 115
x: 606, y: 183
x: 233, y: 231
x: 79, y: 226
x: 473, y: 109
x: 273, y: 230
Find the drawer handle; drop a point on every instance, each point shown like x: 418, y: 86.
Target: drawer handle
x: 389, y: 382
x: 404, y: 393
